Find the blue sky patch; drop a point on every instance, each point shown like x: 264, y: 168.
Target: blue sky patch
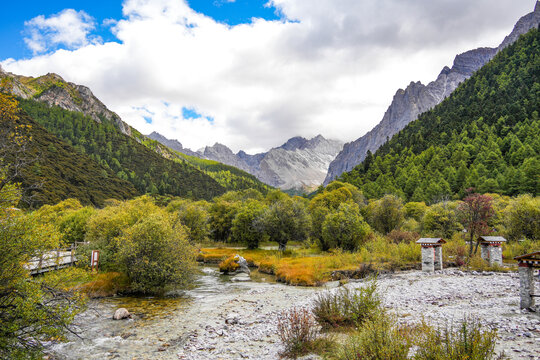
x: 189, y: 113
x: 148, y: 119
x: 235, y: 12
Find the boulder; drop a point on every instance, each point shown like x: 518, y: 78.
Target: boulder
x: 121, y: 314
x: 243, y: 265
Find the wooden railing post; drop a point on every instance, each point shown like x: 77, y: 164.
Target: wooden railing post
x: 40, y: 263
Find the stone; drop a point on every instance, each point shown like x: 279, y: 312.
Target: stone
x: 121, y: 314
x: 241, y: 277
x: 232, y: 319
x: 243, y: 264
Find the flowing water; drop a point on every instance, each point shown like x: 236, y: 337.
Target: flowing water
x: 158, y: 325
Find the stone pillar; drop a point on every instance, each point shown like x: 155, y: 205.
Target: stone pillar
x: 526, y: 286
x: 484, y: 251
x: 495, y: 255
x: 428, y: 259
x: 438, y: 262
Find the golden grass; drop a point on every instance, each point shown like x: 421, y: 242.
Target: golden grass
x: 229, y: 265
x: 309, y: 267
x: 104, y: 284
x: 83, y: 281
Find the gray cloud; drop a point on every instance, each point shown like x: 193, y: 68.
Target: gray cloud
x: 333, y: 71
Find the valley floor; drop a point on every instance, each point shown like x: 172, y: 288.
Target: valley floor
x: 442, y: 297
x: 238, y: 320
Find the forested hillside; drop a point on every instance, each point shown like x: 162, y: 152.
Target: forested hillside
x: 230, y: 177
x: 49, y: 169
x: 148, y: 171
x: 486, y: 135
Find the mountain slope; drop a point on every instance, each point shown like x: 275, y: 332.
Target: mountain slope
x: 417, y: 98
x: 55, y: 91
x: 485, y: 135
x: 230, y: 177
x: 124, y: 155
x: 298, y: 164
x: 56, y: 171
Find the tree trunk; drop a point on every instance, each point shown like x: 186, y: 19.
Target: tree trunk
x: 471, y: 244
x: 476, y: 248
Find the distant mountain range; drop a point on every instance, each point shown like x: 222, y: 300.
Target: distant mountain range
x: 299, y: 164
x: 418, y: 98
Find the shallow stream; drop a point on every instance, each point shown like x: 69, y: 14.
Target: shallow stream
x: 158, y: 325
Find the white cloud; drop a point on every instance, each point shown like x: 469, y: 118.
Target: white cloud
x: 333, y: 70
x: 69, y: 27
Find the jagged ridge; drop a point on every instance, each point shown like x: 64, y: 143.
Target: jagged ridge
x: 417, y: 98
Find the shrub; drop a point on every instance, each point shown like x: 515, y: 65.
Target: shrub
x: 229, y: 265
x: 415, y: 210
x: 468, y: 341
x: 441, y: 220
x: 347, y: 307
x: 516, y: 248
x: 195, y: 217
x: 155, y: 256
x: 386, y: 214
x: 523, y: 218
x: 244, y: 229
x: 298, y: 332
x: 378, y: 339
x: 344, y: 228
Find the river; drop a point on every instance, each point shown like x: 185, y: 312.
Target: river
x: 161, y: 327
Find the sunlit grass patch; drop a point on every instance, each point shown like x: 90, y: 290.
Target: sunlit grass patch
x: 104, y: 284
x: 311, y: 267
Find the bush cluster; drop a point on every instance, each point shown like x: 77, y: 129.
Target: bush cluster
x: 376, y: 335
x: 347, y: 307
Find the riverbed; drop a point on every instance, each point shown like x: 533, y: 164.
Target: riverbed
x: 226, y: 319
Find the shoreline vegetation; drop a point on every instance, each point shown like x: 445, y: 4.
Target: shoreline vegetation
x: 148, y: 248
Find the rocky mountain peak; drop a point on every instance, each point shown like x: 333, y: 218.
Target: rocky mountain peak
x: 218, y: 147
x: 293, y: 143
x: 298, y: 163
x: 523, y: 25
x: 54, y: 90
x: 470, y: 61
x: 173, y: 144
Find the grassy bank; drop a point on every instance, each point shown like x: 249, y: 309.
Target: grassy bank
x: 92, y: 285
x: 311, y: 267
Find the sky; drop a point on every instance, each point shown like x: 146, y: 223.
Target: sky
x: 249, y: 74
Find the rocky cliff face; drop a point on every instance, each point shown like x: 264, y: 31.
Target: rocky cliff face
x: 298, y: 164
x: 54, y: 90
x: 417, y: 98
